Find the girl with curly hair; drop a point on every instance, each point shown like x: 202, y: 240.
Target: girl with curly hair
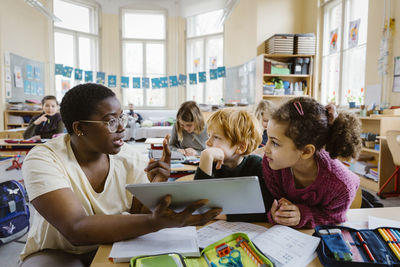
x: 309, y: 185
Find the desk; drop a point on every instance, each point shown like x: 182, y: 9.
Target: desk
x: 155, y: 143
x: 353, y: 215
x: 16, y: 146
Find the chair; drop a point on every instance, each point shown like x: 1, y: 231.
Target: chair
x: 393, y: 140
x: 356, y: 204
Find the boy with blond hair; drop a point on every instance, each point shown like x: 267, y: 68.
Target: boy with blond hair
x: 233, y: 135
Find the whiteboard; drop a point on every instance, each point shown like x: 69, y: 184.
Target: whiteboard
x: 240, y: 83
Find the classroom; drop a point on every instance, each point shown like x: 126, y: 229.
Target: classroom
x: 178, y: 68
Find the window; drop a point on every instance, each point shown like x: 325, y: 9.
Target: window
x: 144, y: 55
x: 205, y: 42
x: 344, y: 51
x: 75, y: 40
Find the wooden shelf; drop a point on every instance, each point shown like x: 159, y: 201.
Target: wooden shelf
x: 370, y: 150
x: 19, y: 113
x: 288, y: 75
x: 24, y: 111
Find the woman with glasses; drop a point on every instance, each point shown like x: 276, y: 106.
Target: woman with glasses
x: 77, y: 184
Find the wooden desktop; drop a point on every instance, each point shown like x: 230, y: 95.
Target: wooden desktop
x: 353, y: 215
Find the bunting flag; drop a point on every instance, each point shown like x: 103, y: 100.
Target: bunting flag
x: 78, y: 74
x: 112, y: 81
x: 59, y: 70
x: 164, y: 82
x: 173, y: 81
x: 145, y: 82
x: 182, y: 79
x: 88, y: 76
x: 124, y: 82
x: 101, y: 77
x: 192, y: 78
x: 221, y: 72
x: 67, y: 71
x: 136, y: 82
x: 213, y: 74
x: 155, y: 83
x: 202, y: 77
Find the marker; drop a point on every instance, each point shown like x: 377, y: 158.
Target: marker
x: 365, y: 247
x: 392, y: 241
x: 386, y: 238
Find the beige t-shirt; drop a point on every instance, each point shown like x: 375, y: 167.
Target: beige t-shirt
x: 53, y: 166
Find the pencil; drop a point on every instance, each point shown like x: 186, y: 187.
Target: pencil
x: 371, y: 257
x: 386, y: 238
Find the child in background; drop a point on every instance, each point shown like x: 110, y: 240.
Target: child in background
x: 189, y: 133
x: 46, y: 124
x: 234, y: 134
x: 263, y: 113
x: 310, y: 187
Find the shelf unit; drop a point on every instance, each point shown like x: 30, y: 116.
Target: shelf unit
x: 379, y: 125
x: 261, y: 76
x: 20, y: 113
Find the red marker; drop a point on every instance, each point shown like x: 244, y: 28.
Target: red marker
x: 365, y: 246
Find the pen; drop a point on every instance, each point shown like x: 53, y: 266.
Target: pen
x: 365, y: 246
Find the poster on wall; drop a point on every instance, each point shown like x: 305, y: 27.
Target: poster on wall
x: 333, y: 41
x: 396, y: 75
x: 8, y: 90
x: 18, y: 77
x: 354, y: 27
x: 213, y: 62
x: 29, y: 72
x: 8, y: 74
x: 7, y: 58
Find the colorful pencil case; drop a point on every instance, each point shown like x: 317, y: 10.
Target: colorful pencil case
x: 351, y: 247
x: 233, y: 250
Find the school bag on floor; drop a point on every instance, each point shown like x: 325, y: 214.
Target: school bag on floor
x: 14, y: 211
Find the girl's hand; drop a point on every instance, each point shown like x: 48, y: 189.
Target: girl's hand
x: 160, y: 170
x: 41, y: 119
x: 181, y: 151
x: 190, y: 152
x: 285, y: 212
x: 164, y: 217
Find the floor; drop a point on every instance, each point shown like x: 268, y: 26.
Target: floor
x: 9, y: 253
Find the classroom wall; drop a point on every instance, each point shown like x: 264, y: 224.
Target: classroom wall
x: 375, y: 26
x: 23, y: 31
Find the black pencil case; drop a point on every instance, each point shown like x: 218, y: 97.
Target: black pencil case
x: 371, y: 239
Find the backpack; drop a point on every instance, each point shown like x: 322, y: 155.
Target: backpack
x: 14, y: 211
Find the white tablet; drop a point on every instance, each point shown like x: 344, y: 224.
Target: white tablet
x: 234, y: 195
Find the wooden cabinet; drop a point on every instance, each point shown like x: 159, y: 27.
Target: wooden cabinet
x: 10, y: 123
x: 379, y: 125
x: 264, y: 76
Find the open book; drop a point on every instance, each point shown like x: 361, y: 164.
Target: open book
x: 180, y: 240
x: 283, y: 245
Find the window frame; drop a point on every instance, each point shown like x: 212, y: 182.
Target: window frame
x: 325, y: 4
x: 95, y: 25
x: 144, y: 43
x: 204, y: 38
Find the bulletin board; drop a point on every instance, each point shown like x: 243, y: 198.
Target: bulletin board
x: 27, y: 79
x: 240, y: 83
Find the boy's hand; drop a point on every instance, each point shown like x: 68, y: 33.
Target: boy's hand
x: 208, y: 157
x: 285, y: 212
x: 160, y: 170
x: 41, y: 119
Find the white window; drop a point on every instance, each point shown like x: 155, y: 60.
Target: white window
x: 144, y: 55
x: 205, y: 44
x: 76, y: 40
x: 344, y: 51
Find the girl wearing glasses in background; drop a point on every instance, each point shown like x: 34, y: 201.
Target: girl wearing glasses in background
x: 189, y: 134
x: 77, y: 184
x: 46, y: 124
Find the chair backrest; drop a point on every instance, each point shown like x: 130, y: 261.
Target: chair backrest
x: 393, y: 140
x: 356, y: 204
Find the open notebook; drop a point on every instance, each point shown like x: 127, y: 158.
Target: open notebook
x: 175, y: 155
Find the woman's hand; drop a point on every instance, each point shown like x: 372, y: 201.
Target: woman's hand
x: 160, y: 170
x: 164, y: 217
x: 41, y: 119
x: 285, y: 212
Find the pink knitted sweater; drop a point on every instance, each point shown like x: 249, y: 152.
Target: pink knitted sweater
x: 325, y: 201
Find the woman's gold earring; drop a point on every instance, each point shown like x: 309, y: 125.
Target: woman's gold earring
x: 80, y: 134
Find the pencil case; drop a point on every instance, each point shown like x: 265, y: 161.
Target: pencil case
x: 233, y: 250
x: 342, y: 245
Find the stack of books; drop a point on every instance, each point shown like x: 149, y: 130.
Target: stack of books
x: 279, y: 44
x: 304, y: 44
